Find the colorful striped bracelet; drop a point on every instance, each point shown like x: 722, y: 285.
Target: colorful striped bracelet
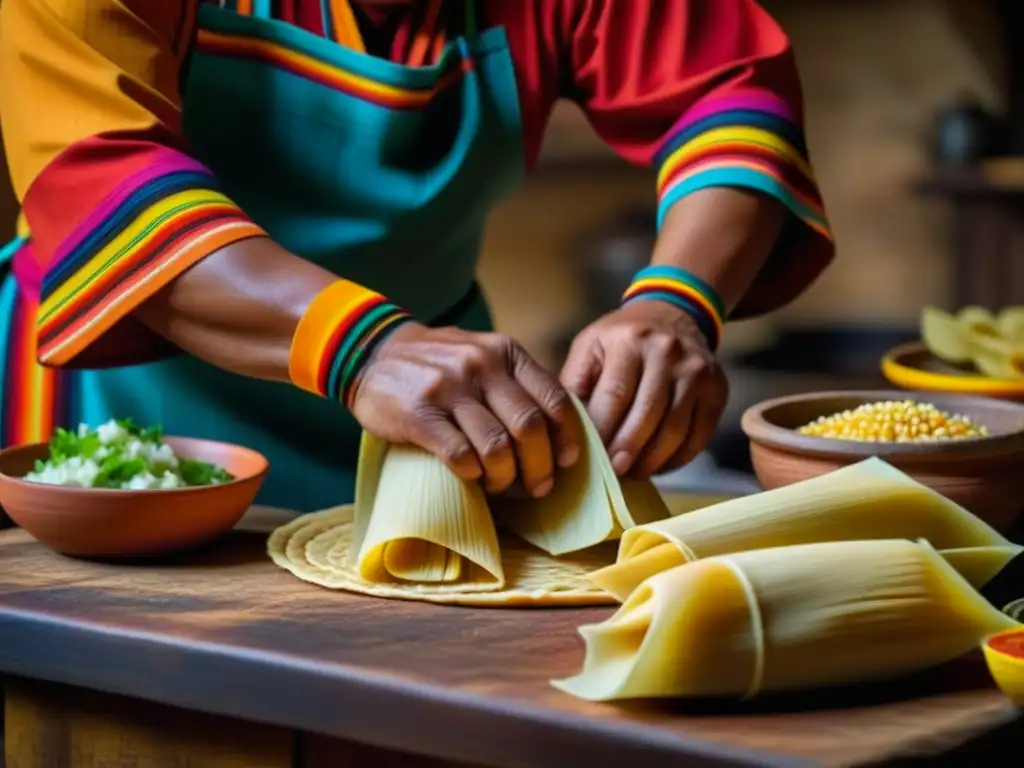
x: 336, y: 335
x: 682, y: 289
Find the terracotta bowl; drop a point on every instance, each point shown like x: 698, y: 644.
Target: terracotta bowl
x: 983, y: 475
x: 101, y: 522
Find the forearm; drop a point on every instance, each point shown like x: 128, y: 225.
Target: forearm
x: 722, y: 235
x: 238, y: 309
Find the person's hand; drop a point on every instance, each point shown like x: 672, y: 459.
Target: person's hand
x: 477, y: 401
x: 652, y: 387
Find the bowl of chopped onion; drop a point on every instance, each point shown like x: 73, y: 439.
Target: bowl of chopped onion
x: 970, y: 449
x: 120, y: 490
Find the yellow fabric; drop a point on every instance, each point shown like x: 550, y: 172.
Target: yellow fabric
x: 346, y: 29
x: 71, y: 69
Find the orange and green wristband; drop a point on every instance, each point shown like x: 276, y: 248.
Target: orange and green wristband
x: 344, y: 323
x: 685, y: 290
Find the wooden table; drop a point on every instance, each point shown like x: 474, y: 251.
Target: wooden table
x: 220, y: 659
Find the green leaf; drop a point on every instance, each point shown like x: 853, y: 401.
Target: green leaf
x: 88, y: 445
x: 63, y: 445
x: 153, y: 434
x: 195, y: 472
x: 115, y: 471
x: 128, y: 426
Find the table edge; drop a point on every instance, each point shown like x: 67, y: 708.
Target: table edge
x: 292, y: 692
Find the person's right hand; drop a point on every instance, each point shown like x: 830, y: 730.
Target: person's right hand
x: 477, y: 401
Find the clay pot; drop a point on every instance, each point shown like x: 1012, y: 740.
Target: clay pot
x: 983, y: 475
x: 101, y: 522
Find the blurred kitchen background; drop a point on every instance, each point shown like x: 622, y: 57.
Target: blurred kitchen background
x: 915, y: 120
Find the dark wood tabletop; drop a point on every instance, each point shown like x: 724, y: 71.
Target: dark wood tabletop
x: 226, y: 632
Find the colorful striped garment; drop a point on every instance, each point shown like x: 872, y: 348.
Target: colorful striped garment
x: 159, y: 221
x: 339, y: 330
x: 685, y: 290
x: 323, y: 73
x: 91, y: 107
x: 745, y: 139
x: 35, y: 396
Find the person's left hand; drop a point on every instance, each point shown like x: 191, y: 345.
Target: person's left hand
x: 652, y: 387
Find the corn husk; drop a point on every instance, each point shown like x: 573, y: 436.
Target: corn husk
x: 978, y: 320
x: 588, y: 504
x: 997, y: 357
x: 995, y: 346
x: 784, y: 618
x: 867, y: 500
x: 945, y: 337
x: 416, y: 521
x: 1010, y: 324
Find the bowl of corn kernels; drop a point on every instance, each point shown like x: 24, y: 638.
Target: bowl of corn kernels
x: 970, y: 449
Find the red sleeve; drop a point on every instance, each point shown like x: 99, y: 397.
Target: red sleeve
x: 706, y: 92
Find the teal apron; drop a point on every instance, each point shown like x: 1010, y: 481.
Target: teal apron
x: 390, y: 191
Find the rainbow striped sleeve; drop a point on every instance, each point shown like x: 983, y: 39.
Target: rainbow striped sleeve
x: 752, y: 139
x: 744, y: 140
x: 340, y: 329
x: 141, y: 214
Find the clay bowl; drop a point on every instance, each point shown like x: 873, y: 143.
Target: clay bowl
x: 109, y: 523
x: 981, y: 474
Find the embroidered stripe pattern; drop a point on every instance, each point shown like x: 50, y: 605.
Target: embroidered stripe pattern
x: 330, y: 75
x: 749, y: 139
x: 156, y: 224
x: 340, y: 24
x: 35, y: 398
x: 684, y: 290
x: 341, y: 328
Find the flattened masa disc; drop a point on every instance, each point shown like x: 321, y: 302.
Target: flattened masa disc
x: 315, y: 548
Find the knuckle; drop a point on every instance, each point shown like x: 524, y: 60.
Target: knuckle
x: 497, y: 444
x: 695, y: 366
x: 432, y: 388
x: 556, y: 402
x: 618, y: 391
x: 663, y: 344
x: 455, y: 452
x: 501, y: 343
x: 528, y: 422
x: 632, y: 331
x: 646, y: 405
x: 424, y: 416
x: 584, y: 341
x: 470, y: 360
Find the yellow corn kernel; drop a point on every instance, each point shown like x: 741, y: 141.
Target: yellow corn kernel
x: 900, y: 421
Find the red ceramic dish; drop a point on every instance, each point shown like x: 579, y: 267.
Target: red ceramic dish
x: 101, y: 522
